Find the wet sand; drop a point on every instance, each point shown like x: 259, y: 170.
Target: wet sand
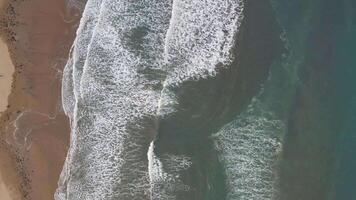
x: 34, y: 130
x: 10, y: 188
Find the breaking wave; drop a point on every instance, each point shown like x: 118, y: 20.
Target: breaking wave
x: 250, y: 147
x: 118, y: 83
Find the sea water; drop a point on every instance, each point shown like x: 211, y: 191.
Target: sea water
x: 203, y: 99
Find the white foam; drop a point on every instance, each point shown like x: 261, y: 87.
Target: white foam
x: 165, y: 174
x: 249, y: 148
x: 70, y: 86
x: 74, y: 68
x: 122, y: 54
x: 201, y: 35
x: 77, y: 4
x: 113, y: 93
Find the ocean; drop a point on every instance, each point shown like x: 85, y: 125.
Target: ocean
x: 211, y: 100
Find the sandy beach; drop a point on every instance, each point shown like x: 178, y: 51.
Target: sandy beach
x: 6, y: 71
x: 34, y: 132
x: 7, y: 192
x: 9, y: 179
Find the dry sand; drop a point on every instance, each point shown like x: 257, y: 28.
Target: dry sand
x: 6, y: 71
x: 9, y: 179
x: 2, y: 3
x: 34, y: 132
x: 4, y: 191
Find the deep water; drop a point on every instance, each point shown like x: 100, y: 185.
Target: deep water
x: 320, y: 138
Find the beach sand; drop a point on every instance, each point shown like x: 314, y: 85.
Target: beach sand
x: 7, y: 192
x: 34, y: 132
x: 10, y: 187
x: 6, y: 71
x: 10, y: 181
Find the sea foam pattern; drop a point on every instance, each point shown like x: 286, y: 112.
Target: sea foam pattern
x: 74, y: 69
x: 77, y: 4
x: 249, y: 147
x: 201, y: 36
x: 70, y: 84
x: 113, y: 89
x: 165, y: 174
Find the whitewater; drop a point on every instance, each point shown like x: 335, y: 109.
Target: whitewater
x: 119, y: 82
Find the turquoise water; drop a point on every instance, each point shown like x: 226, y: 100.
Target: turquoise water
x: 309, y: 99
x: 317, y: 160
